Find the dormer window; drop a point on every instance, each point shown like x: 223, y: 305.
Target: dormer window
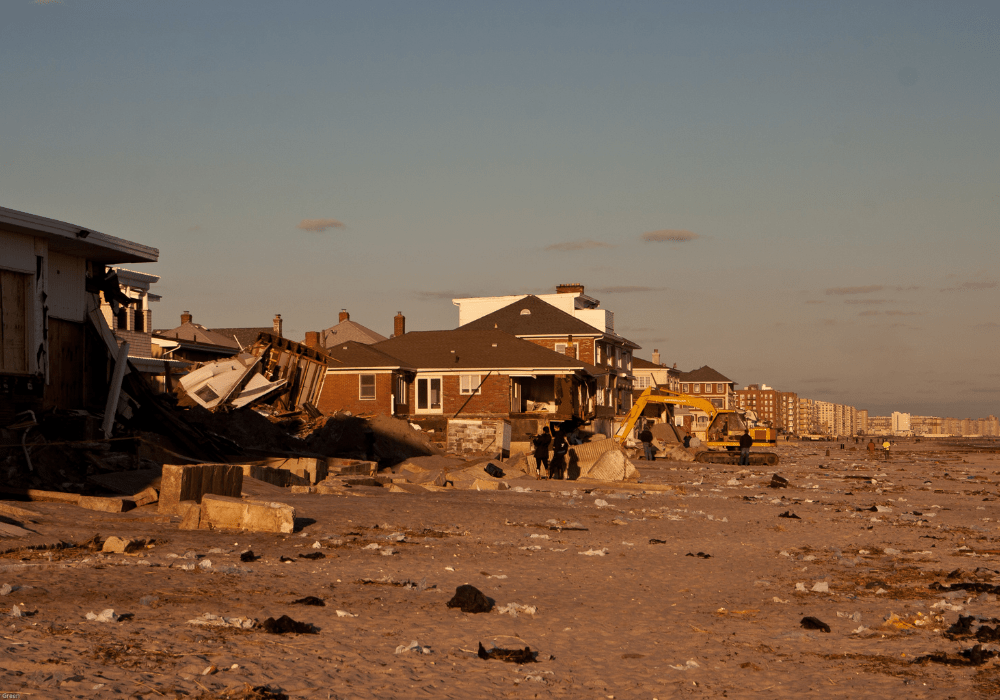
x: 525, y: 312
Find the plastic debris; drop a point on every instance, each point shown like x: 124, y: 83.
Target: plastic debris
x: 107, y: 615
x: 413, y: 646
x: 513, y: 609
x: 594, y: 552
x: 210, y: 620
x: 513, y: 656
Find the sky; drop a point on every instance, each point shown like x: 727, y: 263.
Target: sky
x: 804, y: 195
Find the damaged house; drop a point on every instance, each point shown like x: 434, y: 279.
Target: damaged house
x: 431, y: 377
x: 56, y: 350
x: 568, y: 322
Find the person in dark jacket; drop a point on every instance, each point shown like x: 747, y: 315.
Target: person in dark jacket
x: 646, y: 437
x: 541, y: 443
x: 746, y: 442
x: 559, y: 450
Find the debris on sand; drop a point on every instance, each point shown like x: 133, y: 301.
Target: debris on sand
x: 210, y: 620
x: 309, y: 600
x: 700, y: 555
x: 513, y: 609
x: 814, y: 623
x: 414, y: 647
x: 511, y: 656
x: 778, y: 482
x: 107, y: 615
x: 286, y: 625
x: 976, y: 656
x: 789, y: 514
x: 470, y: 600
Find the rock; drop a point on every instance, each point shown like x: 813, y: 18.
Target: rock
x: 286, y: 625
x: 107, y: 615
x: 470, y: 600
x: 145, y: 497
x: 123, y: 545
x: 190, y: 512
x: 814, y: 623
x: 820, y: 587
x: 778, y: 482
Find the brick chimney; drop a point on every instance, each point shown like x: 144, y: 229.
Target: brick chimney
x: 344, y: 316
x: 572, y: 288
x: 277, y: 325
x: 398, y: 324
x: 570, y: 350
x: 312, y: 339
x: 656, y: 356
x: 186, y: 317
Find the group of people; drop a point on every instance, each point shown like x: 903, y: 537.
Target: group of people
x: 885, y: 448
x: 560, y: 448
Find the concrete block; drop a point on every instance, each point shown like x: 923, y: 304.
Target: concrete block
x: 312, y: 469
x: 303, y: 489
x: 105, y: 505
x: 190, y: 512
x: 191, y: 482
x: 338, y: 465
x: 146, y: 496
x: 273, y: 475
x: 224, y: 513
x: 123, y: 545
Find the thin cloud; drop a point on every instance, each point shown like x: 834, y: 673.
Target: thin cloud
x: 868, y: 289
x: 895, y: 312
x: 911, y: 288
x: 866, y: 302
x: 319, y: 225
x: 571, y: 246
x: 626, y: 290
x: 869, y: 313
x: 815, y: 301
x: 971, y: 287
x: 669, y: 236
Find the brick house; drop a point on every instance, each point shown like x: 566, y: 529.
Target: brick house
x: 193, y: 342
x: 429, y: 377
x: 571, y: 323
x: 706, y: 383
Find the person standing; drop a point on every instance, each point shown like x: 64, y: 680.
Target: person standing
x: 646, y: 438
x: 885, y: 449
x: 871, y: 448
x: 559, y: 450
x: 542, y: 442
x: 746, y: 442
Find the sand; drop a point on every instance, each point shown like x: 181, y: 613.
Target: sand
x: 616, y: 616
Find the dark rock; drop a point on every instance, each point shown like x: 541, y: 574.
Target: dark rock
x: 814, y: 623
x: 470, y: 600
x: 285, y: 625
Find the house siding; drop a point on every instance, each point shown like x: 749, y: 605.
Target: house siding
x: 586, y: 346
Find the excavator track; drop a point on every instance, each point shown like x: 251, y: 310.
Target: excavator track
x: 757, y: 459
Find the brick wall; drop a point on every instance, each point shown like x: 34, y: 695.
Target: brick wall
x: 341, y: 392
x: 586, y: 346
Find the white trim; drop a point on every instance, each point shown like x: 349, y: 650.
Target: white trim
x: 374, y: 396
x: 416, y: 395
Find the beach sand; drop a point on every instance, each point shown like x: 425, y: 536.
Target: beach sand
x: 637, y: 617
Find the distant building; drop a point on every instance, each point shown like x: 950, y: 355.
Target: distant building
x: 900, y: 423
x: 347, y: 330
x: 863, y: 421
x: 646, y: 374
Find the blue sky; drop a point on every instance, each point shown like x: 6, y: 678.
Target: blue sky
x: 838, y: 165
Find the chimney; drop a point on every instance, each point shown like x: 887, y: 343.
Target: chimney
x: 344, y: 316
x: 398, y: 324
x: 570, y: 350
x: 312, y: 339
x: 573, y: 288
x: 656, y: 356
x: 277, y: 325
x: 186, y: 317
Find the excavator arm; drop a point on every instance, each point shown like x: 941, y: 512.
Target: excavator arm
x: 661, y: 396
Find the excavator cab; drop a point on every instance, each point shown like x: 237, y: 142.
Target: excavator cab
x: 725, y: 427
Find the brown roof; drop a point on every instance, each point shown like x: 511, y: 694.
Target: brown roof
x: 349, y: 330
x: 245, y: 336
x: 352, y: 354
x: 543, y: 319
x: 703, y: 374
x: 476, y: 349
x: 196, y: 333
x: 639, y: 363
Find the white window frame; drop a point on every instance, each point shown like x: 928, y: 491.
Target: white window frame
x: 468, y: 384
x: 642, y: 382
x: 361, y: 387
x: 561, y: 349
x: 429, y: 378
x: 401, y: 393
x: 685, y: 388
x: 696, y: 389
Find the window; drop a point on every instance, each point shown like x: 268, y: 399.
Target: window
x: 401, y: 396
x: 597, y: 353
x: 641, y: 382
x: 429, y: 394
x: 628, y: 361
x: 618, y: 357
x: 367, y: 382
x: 684, y: 388
x: 697, y: 388
x: 561, y: 349
x: 600, y: 396
x: 469, y: 383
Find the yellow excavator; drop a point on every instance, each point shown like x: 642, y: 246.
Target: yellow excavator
x: 722, y: 437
